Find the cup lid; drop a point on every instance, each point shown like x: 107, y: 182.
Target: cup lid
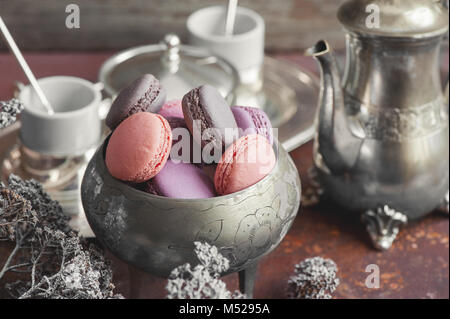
x: 178, y: 67
x: 395, y: 18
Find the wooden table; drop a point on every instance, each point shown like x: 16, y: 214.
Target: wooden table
x: 417, y: 266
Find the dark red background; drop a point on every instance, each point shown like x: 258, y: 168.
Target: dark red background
x: 417, y: 266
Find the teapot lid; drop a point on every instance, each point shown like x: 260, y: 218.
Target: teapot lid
x: 395, y: 18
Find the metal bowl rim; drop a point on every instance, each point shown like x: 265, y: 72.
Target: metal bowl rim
x: 100, y: 152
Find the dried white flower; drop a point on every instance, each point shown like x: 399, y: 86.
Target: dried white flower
x: 210, y: 257
x: 9, y: 111
x: 196, y: 283
x: 202, y: 281
x: 315, y: 278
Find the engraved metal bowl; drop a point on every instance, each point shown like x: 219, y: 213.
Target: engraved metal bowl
x: 156, y: 233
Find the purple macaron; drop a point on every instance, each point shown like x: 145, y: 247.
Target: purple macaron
x: 251, y: 120
x: 181, y: 180
x: 204, y: 108
x: 145, y: 94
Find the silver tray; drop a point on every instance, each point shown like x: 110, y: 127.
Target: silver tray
x: 289, y: 93
x: 289, y: 96
x: 291, y: 101
x: 62, y: 186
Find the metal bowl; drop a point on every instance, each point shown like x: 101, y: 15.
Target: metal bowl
x: 156, y: 233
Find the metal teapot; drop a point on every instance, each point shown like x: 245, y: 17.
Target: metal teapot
x: 382, y: 142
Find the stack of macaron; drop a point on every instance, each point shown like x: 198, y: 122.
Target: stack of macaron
x: 229, y: 148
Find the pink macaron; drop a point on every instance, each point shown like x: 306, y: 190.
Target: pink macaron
x: 139, y: 147
x: 244, y: 163
x: 172, y: 108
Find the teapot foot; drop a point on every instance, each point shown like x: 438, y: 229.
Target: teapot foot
x: 444, y: 206
x: 247, y: 280
x: 383, y: 225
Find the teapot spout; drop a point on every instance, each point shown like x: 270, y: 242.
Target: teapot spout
x: 336, y: 143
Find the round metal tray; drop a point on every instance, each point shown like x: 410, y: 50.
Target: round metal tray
x: 62, y: 183
x: 291, y: 95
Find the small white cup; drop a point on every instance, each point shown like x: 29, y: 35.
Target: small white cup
x: 244, y: 49
x: 75, y: 126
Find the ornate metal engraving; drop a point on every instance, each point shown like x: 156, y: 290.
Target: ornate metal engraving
x: 383, y: 225
x: 398, y: 124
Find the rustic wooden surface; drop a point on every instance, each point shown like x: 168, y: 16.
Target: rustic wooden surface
x: 417, y: 266
x: 115, y: 24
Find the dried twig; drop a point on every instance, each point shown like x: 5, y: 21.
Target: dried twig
x: 59, y: 263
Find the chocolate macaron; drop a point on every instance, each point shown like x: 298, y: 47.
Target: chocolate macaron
x: 205, y: 109
x: 145, y: 94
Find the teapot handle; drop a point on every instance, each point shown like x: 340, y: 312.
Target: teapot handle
x: 445, y: 4
x: 446, y: 92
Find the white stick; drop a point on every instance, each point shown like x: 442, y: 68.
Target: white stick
x: 26, y: 69
x: 231, y: 16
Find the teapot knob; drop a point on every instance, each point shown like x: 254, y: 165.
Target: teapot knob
x: 171, y: 58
